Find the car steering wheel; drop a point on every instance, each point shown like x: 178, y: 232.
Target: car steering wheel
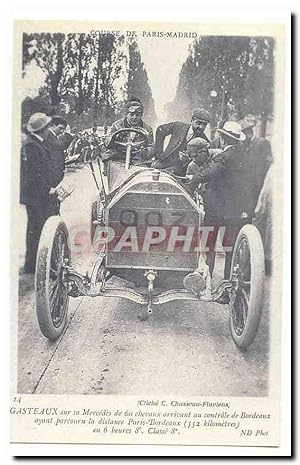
x: 130, y: 143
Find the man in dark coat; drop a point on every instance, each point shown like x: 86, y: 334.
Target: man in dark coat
x: 57, y: 143
x: 181, y: 133
x: 37, y: 190
x: 230, y: 181
x: 259, y: 152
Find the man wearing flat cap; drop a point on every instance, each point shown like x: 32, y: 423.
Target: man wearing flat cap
x: 37, y: 190
x: 169, y: 159
x: 199, y: 154
x: 133, y: 119
x: 232, y: 200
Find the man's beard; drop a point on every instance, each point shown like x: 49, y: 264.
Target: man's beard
x: 198, y: 131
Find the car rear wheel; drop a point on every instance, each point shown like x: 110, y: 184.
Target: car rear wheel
x: 247, y: 277
x: 51, y: 288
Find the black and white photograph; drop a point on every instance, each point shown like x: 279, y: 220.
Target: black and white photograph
x: 145, y: 204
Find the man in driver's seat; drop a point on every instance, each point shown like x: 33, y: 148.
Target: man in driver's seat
x: 133, y: 119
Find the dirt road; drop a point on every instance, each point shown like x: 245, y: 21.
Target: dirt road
x: 183, y: 348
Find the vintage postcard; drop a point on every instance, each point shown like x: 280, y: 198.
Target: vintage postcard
x: 147, y: 257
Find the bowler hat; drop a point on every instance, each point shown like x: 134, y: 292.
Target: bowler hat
x: 201, y: 114
x: 38, y: 121
x: 233, y: 130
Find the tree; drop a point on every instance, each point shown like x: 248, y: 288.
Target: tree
x: 259, y: 86
x: 47, y: 51
x: 110, y: 61
x: 76, y: 88
x: 86, y: 76
x: 238, y: 69
x: 138, y: 83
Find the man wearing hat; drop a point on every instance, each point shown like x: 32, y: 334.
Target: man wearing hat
x: 37, y: 184
x: 258, y: 151
x: 133, y: 119
x: 181, y: 133
x: 233, y: 201
x: 199, y: 154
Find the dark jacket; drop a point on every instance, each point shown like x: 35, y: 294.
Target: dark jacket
x: 35, y: 178
x: 169, y: 157
x: 260, y: 158
x: 230, y: 181
x: 65, y: 140
x: 56, y: 159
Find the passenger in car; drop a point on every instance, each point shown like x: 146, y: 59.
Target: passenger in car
x: 197, y: 150
x: 201, y: 159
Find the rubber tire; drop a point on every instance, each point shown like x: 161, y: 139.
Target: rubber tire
x: 256, y: 285
x: 50, y: 229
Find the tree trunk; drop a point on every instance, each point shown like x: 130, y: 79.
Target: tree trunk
x: 79, y: 106
x: 96, y: 106
x: 56, y: 76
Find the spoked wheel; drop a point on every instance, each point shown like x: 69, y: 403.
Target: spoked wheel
x: 50, y: 279
x: 247, y: 277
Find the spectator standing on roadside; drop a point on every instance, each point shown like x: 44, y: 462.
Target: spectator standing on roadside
x: 37, y: 190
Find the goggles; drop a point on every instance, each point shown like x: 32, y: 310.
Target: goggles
x: 135, y: 111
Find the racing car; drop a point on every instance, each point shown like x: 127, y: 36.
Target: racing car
x: 146, y: 229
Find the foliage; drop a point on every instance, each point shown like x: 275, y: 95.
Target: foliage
x: 86, y: 76
x: 230, y: 76
x: 138, y: 84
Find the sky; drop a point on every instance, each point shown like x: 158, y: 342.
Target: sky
x: 32, y: 80
x: 163, y: 59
